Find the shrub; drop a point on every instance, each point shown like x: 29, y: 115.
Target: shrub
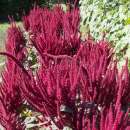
x: 10, y: 95
x: 77, y: 83
x: 111, y: 17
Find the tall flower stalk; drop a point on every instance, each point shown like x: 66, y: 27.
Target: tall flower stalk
x: 77, y: 83
x: 10, y: 95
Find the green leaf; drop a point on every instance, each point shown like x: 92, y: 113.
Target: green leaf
x: 127, y: 21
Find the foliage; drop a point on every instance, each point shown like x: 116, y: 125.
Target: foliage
x: 3, y: 35
x: 10, y: 97
x: 77, y: 83
x: 111, y: 18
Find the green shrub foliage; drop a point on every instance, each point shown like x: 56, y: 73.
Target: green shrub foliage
x: 111, y: 17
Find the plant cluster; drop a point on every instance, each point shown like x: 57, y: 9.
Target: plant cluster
x: 77, y: 83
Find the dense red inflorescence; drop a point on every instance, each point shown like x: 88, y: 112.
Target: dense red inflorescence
x: 10, y: 95
x: 77, y: 83
x: 54, y: 31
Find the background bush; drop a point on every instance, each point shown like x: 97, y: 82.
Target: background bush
x: 17, y: 8
x: 111, y: 17
x: 14, y: 8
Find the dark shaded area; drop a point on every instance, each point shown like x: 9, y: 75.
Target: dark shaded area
x: 17, y: 8
x: 14, y: 8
